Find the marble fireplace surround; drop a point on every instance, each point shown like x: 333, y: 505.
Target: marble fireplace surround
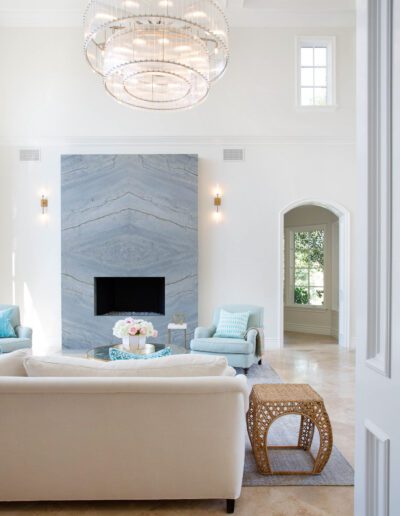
x: 126, y: 216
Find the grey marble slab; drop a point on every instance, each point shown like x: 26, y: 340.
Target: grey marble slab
x: 126, y: 215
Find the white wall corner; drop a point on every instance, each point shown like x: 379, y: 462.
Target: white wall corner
x: 272, y: 343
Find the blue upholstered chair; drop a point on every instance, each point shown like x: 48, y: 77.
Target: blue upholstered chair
x: 239, y: 352
x: 24, y: 335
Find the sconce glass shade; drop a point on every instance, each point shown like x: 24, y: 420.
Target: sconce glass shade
x: 157, y: 54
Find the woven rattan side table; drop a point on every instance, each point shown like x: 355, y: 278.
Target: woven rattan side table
x: 269, y: 402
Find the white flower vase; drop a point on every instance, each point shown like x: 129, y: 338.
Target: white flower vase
x: 136, y: 343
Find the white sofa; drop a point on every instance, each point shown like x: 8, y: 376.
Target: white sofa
x: 122, y: 438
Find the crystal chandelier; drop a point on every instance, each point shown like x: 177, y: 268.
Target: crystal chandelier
x: 157, y: 54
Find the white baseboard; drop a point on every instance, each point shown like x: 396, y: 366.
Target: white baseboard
x: 335, y: 333
x: 308, y: 328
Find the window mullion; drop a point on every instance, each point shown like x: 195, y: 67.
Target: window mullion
x: 313, y: 75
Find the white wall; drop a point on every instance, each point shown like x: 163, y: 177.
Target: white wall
x: 310, y: 319
x: 50, y: 98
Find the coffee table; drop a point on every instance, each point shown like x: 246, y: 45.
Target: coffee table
x: 102, y: 352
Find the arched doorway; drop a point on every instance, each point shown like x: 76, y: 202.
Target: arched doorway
x: 343, y: 217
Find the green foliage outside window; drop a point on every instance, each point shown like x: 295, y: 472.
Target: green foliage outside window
x: 309, y: 267
x: 301, y: 296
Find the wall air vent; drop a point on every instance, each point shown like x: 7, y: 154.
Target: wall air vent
x: 233, y: 154
x: 29, y: 155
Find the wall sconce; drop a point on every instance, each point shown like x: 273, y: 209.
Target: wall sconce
x: 44, y: 204
x: 217, y: 204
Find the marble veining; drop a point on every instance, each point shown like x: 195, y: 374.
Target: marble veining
x: 126, y: 215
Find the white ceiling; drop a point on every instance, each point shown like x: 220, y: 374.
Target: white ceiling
x: 241, y: 13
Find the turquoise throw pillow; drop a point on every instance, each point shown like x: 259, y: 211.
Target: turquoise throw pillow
x: 117, y: 354
x: 232, y: 325
x: 6, y: 328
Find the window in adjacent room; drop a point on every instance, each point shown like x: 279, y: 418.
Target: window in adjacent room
x: 307, y: 266
x: 315, y: 72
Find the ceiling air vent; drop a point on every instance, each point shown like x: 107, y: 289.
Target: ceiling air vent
x: 233, y: 154
x: 29, y: 155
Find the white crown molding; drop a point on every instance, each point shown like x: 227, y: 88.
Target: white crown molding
x: 129, y: 141
x: 41, y: 18
x: 238, y: 17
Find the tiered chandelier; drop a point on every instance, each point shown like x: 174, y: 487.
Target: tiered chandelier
x: 157, y: 54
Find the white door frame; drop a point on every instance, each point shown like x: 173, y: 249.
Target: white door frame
x: 344, y: 266
x: 377, y: 490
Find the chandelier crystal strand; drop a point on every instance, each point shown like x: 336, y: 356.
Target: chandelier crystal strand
x: 157, y: 54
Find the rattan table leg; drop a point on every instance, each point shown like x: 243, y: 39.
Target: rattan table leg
x: 306, y: 433
x: 258, y: 422
x: 326, y: 441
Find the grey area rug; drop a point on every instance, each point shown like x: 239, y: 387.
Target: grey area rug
x: 337, y: 472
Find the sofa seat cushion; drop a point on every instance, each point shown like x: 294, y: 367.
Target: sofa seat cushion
x: 12, y: 364
x: 225, y: 346
x: 172, y: 366
x: 8, y: 345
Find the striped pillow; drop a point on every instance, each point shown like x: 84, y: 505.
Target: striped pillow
x: 232, y: 325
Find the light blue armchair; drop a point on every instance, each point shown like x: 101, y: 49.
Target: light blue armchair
x: 24, y: 334
x: 239, y: 352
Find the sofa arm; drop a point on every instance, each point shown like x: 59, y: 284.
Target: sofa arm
x: 251, y: 338
x: 204, y: 333
x: 23, y: 332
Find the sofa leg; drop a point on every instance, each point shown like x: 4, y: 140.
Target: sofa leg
x: 230, y: 506
x: 246, y: 370
x: 260, y: 361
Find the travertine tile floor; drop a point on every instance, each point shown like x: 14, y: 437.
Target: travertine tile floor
x: 309, y: 359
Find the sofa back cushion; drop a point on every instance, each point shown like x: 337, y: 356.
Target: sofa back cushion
x: 12, y: 364
x: 172, y: 366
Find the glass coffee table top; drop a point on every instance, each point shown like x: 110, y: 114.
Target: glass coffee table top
x: 102, y: 352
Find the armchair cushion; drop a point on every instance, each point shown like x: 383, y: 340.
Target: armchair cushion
x: 224, y: 346
x: 8, y: 345
x: 232, y: 324
x: 6, y: 327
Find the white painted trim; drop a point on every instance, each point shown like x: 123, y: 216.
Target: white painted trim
x: 215, y: 140
x: 237, y: 16
x: 289, y: 231
x: 306, y: 308
x: 314, y: 329
x: 334, y: 252
x: 334, y: 332
x: 344, y: 266
x: 377, y: 472
x: 380, y: 178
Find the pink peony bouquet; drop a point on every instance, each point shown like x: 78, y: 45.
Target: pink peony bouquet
x: 134, y: 327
